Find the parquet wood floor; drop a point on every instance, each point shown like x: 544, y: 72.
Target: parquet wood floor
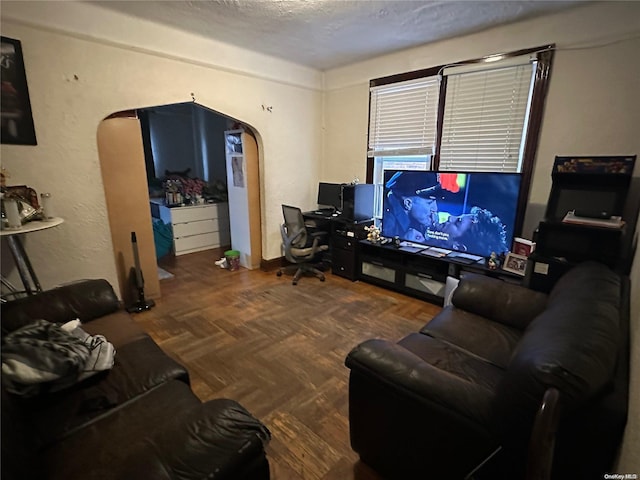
x: 279, y: 350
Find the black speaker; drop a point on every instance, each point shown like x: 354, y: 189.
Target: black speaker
x: 357, y: 201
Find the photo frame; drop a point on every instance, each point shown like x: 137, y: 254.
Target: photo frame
x: 15, y: 107
x: 515, y: 263
x: 237, y: 167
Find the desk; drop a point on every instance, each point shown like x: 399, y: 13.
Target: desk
x: 343, y: 240
x: 320, y: 217
x: 27, y: 274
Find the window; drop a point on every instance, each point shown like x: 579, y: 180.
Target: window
x: 478, y: 115
x: 485, y: 113
x: 401, y: 118
x: 407, y: 162
x: 402, y: 130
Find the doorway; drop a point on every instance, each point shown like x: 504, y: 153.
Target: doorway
x: 188, y: 137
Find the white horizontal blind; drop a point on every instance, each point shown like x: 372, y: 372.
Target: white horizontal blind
x: 485, y: 116
x: 403, y: 117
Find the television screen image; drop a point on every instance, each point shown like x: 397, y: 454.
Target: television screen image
x: 473, y: 213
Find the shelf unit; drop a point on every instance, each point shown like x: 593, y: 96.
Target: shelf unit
x: 195, y: 227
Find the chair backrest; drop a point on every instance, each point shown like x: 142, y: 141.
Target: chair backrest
x: 294, y: 224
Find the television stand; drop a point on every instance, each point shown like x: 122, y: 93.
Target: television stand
x: 465, y: 260
x: 417, y: 274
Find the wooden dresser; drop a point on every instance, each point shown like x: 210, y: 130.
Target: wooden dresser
x: 195, y: 227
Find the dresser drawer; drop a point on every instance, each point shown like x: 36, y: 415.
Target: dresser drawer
x: 194, y: 228
x: 195, y: 243
x: 189, y: 214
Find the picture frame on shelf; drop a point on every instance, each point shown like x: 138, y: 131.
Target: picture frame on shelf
x: 15, y: 108
x: 515, y: 263
x: 522, y: 246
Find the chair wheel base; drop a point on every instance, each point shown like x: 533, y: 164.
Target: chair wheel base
x: 300, y: 270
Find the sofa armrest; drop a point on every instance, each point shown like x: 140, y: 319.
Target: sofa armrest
x: 85, y: 299
x: 217, y: 439
x: 402, y: 370
x: 497, y: 300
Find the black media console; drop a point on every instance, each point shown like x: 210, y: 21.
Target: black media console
x: 416, y: 274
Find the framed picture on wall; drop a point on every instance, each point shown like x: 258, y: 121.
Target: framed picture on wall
x: 15, y: 106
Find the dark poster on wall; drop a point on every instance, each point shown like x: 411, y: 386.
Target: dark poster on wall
x: 15, y: 107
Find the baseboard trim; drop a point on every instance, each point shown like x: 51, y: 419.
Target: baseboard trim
x: 273, y: 264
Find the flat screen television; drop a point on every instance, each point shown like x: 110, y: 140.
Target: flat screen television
x: 474, y: 213
x: 330, y: 195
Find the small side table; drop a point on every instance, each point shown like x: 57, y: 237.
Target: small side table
x: 27, y: 274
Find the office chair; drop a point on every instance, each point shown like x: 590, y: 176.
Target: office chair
x: 299, y: 246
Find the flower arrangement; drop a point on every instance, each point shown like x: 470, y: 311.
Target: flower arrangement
x: 192, y: 187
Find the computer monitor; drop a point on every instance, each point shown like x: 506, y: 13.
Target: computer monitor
x: 330, y: 195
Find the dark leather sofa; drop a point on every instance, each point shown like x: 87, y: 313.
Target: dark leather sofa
x: 465, y: 389
x: 138, y: 420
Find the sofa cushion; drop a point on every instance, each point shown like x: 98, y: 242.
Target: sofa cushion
x: 491, y: 341
x: 166, y: 434
x: 498, y: 300
x: 118, y: 328
x: 480, y: 377
x: 139, y: 367
x: 453, y: 360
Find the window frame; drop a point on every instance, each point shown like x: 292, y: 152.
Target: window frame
x: 544, y: 56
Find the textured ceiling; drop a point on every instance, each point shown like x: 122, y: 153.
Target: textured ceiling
x: 325, y: 34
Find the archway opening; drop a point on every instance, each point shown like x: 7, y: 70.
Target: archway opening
x: 139, y: 151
